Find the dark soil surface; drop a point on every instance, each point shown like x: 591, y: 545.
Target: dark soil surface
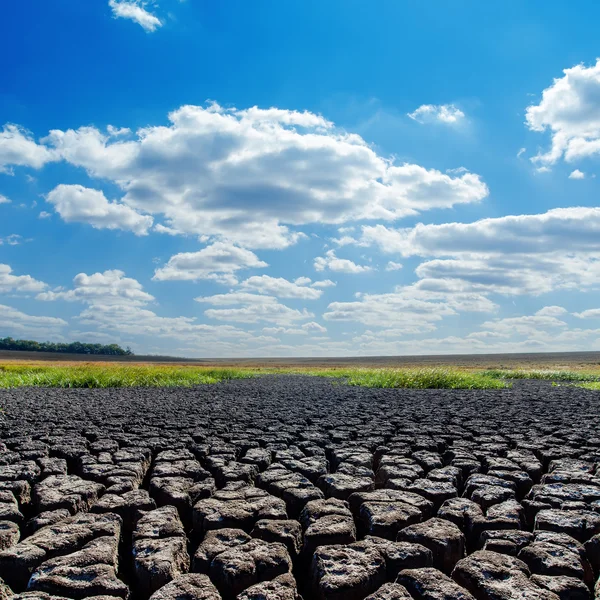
x: 286, y: 486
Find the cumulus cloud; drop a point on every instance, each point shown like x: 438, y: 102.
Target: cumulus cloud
x: 14, y: 239
x: 393, y: 266
x: 570, y: 111
x: 134, y: 320
x: 577, y: 174
x: 75, y: 203
x: 251, y: 308
x: 218, y: 262
x: 340, y: 265
x: 551, y: 311
x: 325, y: 283
x: 18, y: 322
x: 591, y: 313
x: 18, y: 148
x: 110, y: 287
x: 18, y: 283
x: 314, y: 327
x: 516, y: 254
x: 447, y: 114
x: 560, y: 229
x: 417, y: 307
x: 135, y: 11
x: 4, y: 200
x: 255, y: 176
x: 281, y: 288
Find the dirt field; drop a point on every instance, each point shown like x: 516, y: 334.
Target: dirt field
x: 551, y: 360
x: 274, y: 487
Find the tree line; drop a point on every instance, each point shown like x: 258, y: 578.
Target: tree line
x: 9, y: 343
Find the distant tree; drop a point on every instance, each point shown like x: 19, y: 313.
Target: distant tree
x: 9, y: 343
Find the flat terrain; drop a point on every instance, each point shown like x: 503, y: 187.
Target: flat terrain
x: 552, y: 360
x: 282, y: 485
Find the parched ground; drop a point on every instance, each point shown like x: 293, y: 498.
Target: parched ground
x: 282, y: 486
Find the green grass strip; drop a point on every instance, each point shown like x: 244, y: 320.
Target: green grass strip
x: 113, y: 376
x: 421, y: 379
x: 547, y: 375
x: 591, y: 385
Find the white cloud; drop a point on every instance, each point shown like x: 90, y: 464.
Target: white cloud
x: 18, y: 283
x: 302, y: 280
x: 75, y: 203
x: 280, y: 287
x: 18, y: 148
x: 447, y: 114
x: 325, y: 283
x: 219, y: 262
x: 551, y: 311
x: 577, y: 174
x: 510, y: 255
x: 233, y: 298
x: 570, y: 110
x: 18, y: 322
x: 560, y: 229
x: 339, y: 265
x: 4, y: 200
x: 254, y: 176
x: 252, y: 308
x: 415, y: 307
x: 133, y: 320
x: 314, y: 327
x: 343, y: 241
x: 44, y: 215
x: 135, y: 11
x: 521, y: 152
x: 591, y: 313
x: 110, y: 287
x: 14, y: 239
x: 524, y: 326
x: 393, y: 266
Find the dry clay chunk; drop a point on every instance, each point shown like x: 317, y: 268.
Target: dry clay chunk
x: 240, y: 567
x: 431, y: 584
x: 444, y: 539
x: 91, y: 571
x: 493, y: 575
x: 191, y: 586
x: 65, y: 537
x: 347, y: 572
x: 66, y: 491
x: 159, y: 549
x: 238, y: 508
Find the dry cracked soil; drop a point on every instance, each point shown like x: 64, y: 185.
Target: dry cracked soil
x: 288, y: 487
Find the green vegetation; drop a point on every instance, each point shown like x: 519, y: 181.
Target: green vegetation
x: 113, y: 375
x: 73, y: 348
x: 423, y: 379
x: 549, y: 375
x: 108, y: 375
x: 590, y: 385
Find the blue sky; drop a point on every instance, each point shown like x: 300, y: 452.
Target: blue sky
x: 301, y: 178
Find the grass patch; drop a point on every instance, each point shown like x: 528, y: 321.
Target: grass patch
x: 590, y: 385
x: 548, y: 375
x: 118, y: 375
x: 420, y: 379
x: 113, y: 375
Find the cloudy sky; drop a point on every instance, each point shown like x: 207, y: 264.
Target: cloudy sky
x: 302, y: 178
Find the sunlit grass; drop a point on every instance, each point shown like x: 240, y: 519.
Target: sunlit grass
x: 113, y: 375
x: 545, y: 374
x: 590, y: 385
x: 424, y: 379
x: 117, y: 375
